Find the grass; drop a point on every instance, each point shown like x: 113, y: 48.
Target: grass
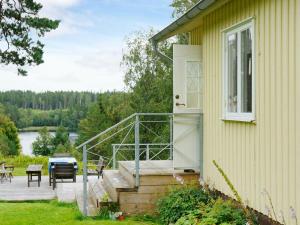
x: 36, y: 129
x: 53, y: 213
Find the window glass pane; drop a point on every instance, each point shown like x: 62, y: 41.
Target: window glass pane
x: 192, y: 84
x: 192, y: 69
x: 246, y: 71
x: 193, y: 100
x: 232, y: 72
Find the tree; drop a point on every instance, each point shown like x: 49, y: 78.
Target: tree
x: 7, y: 147
x: 61, y: 139
x: 148, y: 78
x: 43, y: 144
x: 21, y: 29
x: 179, y: 8
x: 9, y: 134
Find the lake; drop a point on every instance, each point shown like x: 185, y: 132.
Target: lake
x: 27, y: 138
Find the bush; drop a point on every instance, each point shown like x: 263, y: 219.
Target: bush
x: 180, y: 202
x: 216, y: 212
x: 10, y: 142
x: 7, y: 147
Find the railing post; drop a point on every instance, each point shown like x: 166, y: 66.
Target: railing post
x: 171, y: 137
x: 137, y: 150
x: 85, y: 197
x: 147, y: 152
x: 114, y: 157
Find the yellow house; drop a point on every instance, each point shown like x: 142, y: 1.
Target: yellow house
x: 241, y: 74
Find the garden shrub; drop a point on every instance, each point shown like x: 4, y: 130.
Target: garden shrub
x: 218, y: 212
x: 180, y: 202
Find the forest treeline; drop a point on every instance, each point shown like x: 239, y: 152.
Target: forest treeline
x: 47, y: 100
x: 30, y: 109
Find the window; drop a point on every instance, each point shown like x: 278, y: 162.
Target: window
x: 193, y: 85
x: 239, y: 73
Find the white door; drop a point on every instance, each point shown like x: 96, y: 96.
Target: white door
x: 187, y: 108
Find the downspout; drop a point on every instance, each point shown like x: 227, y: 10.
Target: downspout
x: 159, y: 53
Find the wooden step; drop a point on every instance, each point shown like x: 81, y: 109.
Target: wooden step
x: 92, y: 209
x: 127, y: 174
x: 114, y: 182
x: 98, y: 193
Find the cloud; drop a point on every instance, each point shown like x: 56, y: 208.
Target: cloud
x: 85, y: 52
x: 81, y: 68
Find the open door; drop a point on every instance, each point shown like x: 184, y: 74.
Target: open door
x: 187, y: 108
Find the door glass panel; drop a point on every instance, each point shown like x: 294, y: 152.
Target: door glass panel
x: 246, y: 70
x: 192, y: 84
x: 193, y: 100
x: 232, y: 72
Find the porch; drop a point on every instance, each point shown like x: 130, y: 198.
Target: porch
x: 137, y: 174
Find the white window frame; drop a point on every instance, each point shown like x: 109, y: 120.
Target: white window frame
x: 237, y: 29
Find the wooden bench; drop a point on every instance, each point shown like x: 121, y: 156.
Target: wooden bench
x: 34, y: 171
x: 62, y: 171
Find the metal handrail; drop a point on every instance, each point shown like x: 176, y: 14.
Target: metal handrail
x: 106, y: 131
x: 136, y: 124
x: 119, y: 123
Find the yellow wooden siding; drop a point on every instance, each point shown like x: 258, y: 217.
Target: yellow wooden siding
x: 263, y: 155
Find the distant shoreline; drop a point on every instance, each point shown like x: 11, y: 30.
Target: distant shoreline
x: 37, y: 129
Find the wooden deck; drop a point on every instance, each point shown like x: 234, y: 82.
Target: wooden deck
x: 18, y: 190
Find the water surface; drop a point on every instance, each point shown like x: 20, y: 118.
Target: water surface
x: 27, y: 138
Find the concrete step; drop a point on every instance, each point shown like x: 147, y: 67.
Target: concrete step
x: 114, y: 182
x: 98, y: 193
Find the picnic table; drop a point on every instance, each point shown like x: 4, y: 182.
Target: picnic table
x: 34, y: 171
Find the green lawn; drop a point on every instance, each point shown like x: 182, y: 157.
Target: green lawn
x: 51, y: 213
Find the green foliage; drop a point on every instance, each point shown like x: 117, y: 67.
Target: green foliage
x: 180, y: 202
x: 9, y: 137
x: 7, y: 147
x: 28, y: 109
x: 214, y: 213
x: 61, y: 138
x: 22, y: 161
x: 181, y: 6
x: 147, y: 77
x: 21, y: 28
x: 43, y: 145
x: 107, y: 209
x: 250, y: 217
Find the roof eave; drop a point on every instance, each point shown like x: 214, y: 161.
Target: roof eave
x: 171, y: 29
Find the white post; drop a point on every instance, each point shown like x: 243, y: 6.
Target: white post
x: 137, y: 150
x: 147, y: 152
x: 171, y: 137
x: 114, y: 157
x: 85, y: 197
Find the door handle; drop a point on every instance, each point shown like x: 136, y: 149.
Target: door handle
x: 179, y: 104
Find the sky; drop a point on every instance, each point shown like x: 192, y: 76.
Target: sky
x: 84, y: 53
